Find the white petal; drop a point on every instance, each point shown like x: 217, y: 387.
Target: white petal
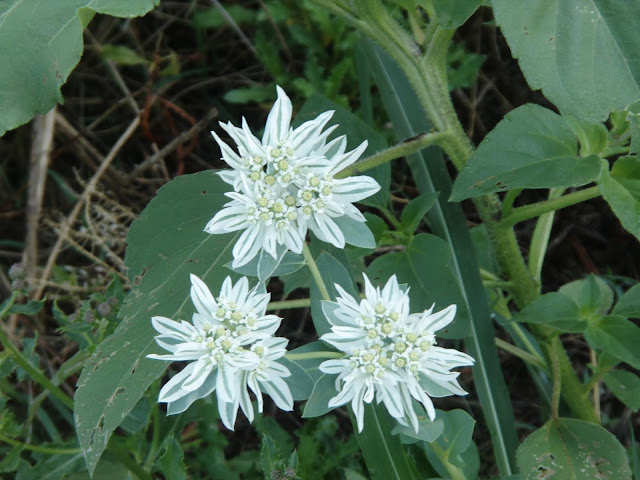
x: 278, y: 121
x: 229, y: 219
x: 354, y: 189
x: 279, y: 391
x: 226, y: 384
x: 341, y: 162
x: 173, y: 388
x: 201, y: 297
x: 228, y: 413
x: 328, y: 231
x: 200, y: 373
x: 247, y: 246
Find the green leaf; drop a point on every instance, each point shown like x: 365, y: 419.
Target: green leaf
x: 584, y: 55
x: 383, y: 452
x: 122, y: 55
x: 592, y: 295
x: 448, y: 222
x: 310, y: 365
x: 629, y: 304
x: 323, y: 391
x: 212, y: 18
x: 250, y: 94
x: 591, y: 136
x: 428, y: 431
x: 166, y: 244
x: 617, y: 336
x: 625, y: 386
x: 30, y: 308
x: 426, y: 265
x: 269, y: 456
x: 332, y: 272
x: 555, y: 310
x: 415, y: 211
x: 572, y: 449
x: 355, y: 233
x: 50, y: 46
x: 621, y: 189
x: 357, y: 131
x: 300, y: 381
x: 453, y: 13
x: 455, y: 446
x: 171, y: 463
x: 543, y: 156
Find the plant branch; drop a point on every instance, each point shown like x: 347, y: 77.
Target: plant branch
x: 527, y: 212
x: 311, y: 355
x: 518, y: 352
x: 409, y: 146
x: 289, y: 304
x: 39, y: 449
x: 557, y: 383
x: 315, y: 273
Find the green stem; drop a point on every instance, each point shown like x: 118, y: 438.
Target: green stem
x: 572, y: 387
x: 593, y: 381
x: 497, y: 284
x: 22, y: 361
x: 540, y: 238
x: 557, y: 383
x: 389, y: 215
x: 520, y: 214
x: 403, y: 149
x: 36, y: 448
x: 311, y: 355
x: 289, y: 304
x: 315, y: 273
x: 518, y: 352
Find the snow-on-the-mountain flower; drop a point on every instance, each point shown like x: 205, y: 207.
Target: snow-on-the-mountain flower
x: 230, y: 345
x: 285, y: 185
x: 390, y: 354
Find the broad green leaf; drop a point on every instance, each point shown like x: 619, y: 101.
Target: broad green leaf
x: 332, y: 272
x: 323, y: 391
x: 571, y: 449
x: 426, y: 265
x: 629, y: 304
x: 621, y: 189
x: 310, y: 365
x: 300, y: 381
x: 428, y: 431
x: 40, y: 46
x: 383, y: 452
x: 532, y: 147
x: 171, y: 462
x: 453, y: 13
x: 583, y: 54
x: 122, y: 55
x: 555, y: 310
x: 357, y: 131
x: 592, y: 295
x: 30, y: 308
x: 415, y: 210
x: 166, y: 244
x: 448, y: 222
x: 456, y: 446
x: 289, y: 263
x: 617, y: 336
x: 626, y: 386
x: 592, y: 137
x: 356, y: 233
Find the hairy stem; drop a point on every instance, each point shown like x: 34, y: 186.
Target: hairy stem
x: 289, y: 304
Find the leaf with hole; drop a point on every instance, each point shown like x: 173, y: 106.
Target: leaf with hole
x: 165, y: 245
x: 572, y: 450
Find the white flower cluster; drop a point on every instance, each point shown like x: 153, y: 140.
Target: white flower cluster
x: 231, y: 347
x: 284, y: 185
x: 390, y: 354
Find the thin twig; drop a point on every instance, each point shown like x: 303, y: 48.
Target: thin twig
x: 90, y: 188
x: 234, y: 26
x: 172, y: 145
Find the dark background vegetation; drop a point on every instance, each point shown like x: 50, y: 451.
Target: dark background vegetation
x: 181, y: 69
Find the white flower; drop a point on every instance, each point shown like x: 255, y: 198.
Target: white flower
x: 391, y: 354
x: 230, y: 344
x: 284, y: 184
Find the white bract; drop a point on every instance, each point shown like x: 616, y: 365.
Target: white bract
x: 285, y: 184
x: 390, y: 354
x: 231, y: 347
